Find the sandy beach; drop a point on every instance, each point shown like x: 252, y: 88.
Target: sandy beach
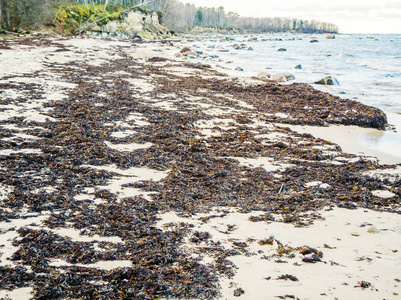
x: 128, y: 172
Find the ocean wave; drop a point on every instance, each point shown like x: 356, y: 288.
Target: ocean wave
x: 388, y: 84
x: 343, y: 55
x: 375, y: 65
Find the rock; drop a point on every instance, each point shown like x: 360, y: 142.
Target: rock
x: 314, y: 41
x: 263, y: 76
x: 330, y: 36
x: 329, y: 80
x: 299, y: 67
x: 278, y: 78
x: 222, y: 67
x: 253, y: 39
x: 185, y: 49
x: 289, y: 76
x: 282, y: 49
x: 354, y: 233
x: 223, y: 50
x: 239, y: 69
x: 373, y: 230
x: 250, y: 49
x: 237, y: 47
x: 190, y: 53
x: 144, y: 25
x: 178, y: 55
x: 238, y: 292
x: 146, y: 35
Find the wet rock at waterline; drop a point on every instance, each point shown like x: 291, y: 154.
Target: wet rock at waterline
x: 278, y: 78
x: 263, y: 76
x: 185, y: 49
x: 289, y: 76
x: 282, y: 77
x: 329, y: 80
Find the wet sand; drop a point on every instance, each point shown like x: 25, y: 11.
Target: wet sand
x: 359, y: 141
x: 126, y: 171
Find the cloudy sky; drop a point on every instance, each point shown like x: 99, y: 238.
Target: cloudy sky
x: 352, y: 16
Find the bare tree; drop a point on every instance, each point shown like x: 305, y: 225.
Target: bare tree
x: 5, y: 4
x: 1, y: 17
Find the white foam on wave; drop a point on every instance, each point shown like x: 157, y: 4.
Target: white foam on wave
x: 376, y: 65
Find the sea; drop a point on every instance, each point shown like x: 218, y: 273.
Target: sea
x: 367, y: 67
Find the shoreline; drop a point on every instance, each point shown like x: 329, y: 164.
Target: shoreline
x: 108, y: 142
x: 389, y: 142
x: 353, y: 139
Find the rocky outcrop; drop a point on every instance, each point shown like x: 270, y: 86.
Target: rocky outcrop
x: 134, y: 24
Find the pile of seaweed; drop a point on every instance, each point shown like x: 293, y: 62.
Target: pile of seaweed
x: 202, y: 175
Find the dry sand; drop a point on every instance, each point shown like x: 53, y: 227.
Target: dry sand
x: 361, y: 248
x: 357, y: 245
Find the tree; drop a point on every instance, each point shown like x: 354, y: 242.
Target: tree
x: 6, y: 9
x: 199, y: 17
x: 17, y: 13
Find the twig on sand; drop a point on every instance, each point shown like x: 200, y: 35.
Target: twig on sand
x: 282, y: 186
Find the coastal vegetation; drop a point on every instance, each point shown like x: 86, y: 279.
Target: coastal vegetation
x: 68, y: 15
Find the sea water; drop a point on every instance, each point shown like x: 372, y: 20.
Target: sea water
x: 368, y: 68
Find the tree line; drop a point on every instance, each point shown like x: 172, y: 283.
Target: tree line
x: 17, y: 14
x: 177, y: 16
x: 180, y: 16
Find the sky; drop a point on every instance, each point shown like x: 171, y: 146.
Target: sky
x: 352, y: 16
